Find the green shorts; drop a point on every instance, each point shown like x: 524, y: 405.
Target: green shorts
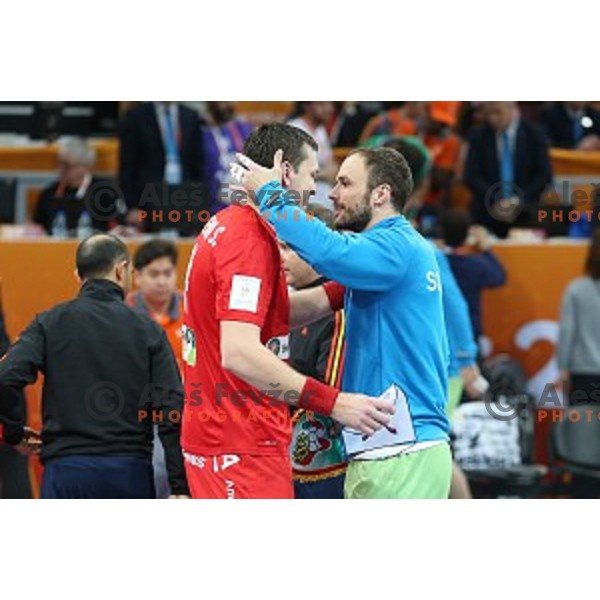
x: 455, y: 390
x: 422, y: 474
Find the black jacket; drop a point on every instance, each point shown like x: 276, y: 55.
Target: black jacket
x: 103, y: 363
x: 532, y: 168
x: 311, y: 345
x: 101, y: 202
x: 142, y: 154
x: 559, y: 125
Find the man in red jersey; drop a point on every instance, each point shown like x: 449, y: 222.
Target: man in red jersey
x: 236, y: 427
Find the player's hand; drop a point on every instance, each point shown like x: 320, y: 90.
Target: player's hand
x: 31, y: 442
x: 474, y: 383
x: 179, y: 497
x: 480, y: 237
x: 362, y: 413
x: 252, y: 176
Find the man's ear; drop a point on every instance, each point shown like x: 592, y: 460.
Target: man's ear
x: 76, y: 273
x: 381, y: 195
x: 286, y: 173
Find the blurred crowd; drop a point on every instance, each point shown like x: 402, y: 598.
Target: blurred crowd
x: 488, y: 159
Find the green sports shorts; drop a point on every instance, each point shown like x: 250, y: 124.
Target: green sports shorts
x: 455, y: 390
x: 422, y: 474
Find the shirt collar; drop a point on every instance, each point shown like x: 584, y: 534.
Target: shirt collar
x: 101, y: 289
x: 174, y: 310
x: 83, y: 188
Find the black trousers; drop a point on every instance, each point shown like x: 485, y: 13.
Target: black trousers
x: 102, y: 477
x: 14, y: 475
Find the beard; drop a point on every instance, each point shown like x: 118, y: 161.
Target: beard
x: 355, y: 219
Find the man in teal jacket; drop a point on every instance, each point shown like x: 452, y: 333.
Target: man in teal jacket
x: 396, y: 333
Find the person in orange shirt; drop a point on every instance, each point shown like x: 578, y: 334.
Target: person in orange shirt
x: 155, y: 277
x: 401, y: 121
x: 444, y: 147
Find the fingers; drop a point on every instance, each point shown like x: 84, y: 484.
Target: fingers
x: 381, y: 404
x: 237, y: 172
x: 246, y: 162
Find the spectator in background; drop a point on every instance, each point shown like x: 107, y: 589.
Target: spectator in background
x: 159, y: 142
x: 77, y: 193
x: 14, y: 470
x: 313, y: 118
x: 444, y: 146
x: 469, y: 116
x: 407, y: 119
x: 351, y: 120
x: 474, y: 272
x: 221, y: 139
x: 155, y: 277
x: 579, y: 333
x: 316, y: 350
x: 572, y: 125
x: 507, y: 169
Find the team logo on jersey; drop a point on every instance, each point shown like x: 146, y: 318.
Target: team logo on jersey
x: 280, y: 346
x: 245, y: 292
x: 189, y: 346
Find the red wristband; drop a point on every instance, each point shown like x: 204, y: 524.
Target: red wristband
x: 1, y: 433
x: 318, y: 397
x: 335, y: 292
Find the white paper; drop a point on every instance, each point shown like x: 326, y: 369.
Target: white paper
x: 401, y: 430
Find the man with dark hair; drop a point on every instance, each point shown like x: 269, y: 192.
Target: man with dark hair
x: 474, y: 271
x: 396, y: 340
x: 155, y: 277
x: 98, y: 255
x: 267, y: 139
x: 106, y: 370
x: 236, y: 425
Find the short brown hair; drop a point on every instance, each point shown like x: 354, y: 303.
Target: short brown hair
x: 267, y: 139
x: 388, y: 166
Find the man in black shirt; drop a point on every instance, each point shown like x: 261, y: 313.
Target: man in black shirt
x: 108, y: 373
x: 76, y: 192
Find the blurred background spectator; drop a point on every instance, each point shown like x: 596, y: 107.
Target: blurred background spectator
x: 77, y: 200
x: 507, y: 169
x: 159, y: 142
x: 579, y: 333
x: 221, y: 139
x: 572, y: 124
x: 444, y: 147
x: 155, y: 279
x: 314, y: 117
x: 475, y: 268
x: 352, y: 117
x: 407, y: 119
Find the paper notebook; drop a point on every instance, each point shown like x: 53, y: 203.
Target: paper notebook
x: 401, y: 430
